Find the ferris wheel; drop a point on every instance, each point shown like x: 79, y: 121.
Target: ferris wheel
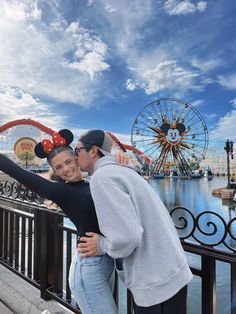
x: 172, y: 133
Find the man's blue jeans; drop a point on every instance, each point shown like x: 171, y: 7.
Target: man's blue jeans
x: 91, y: 284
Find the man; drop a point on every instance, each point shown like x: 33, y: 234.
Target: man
x: 136, y: 227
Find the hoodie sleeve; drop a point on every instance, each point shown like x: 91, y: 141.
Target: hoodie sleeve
x: 117, y: 219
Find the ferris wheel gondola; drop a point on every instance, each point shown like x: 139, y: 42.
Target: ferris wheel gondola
x: 172, y: 133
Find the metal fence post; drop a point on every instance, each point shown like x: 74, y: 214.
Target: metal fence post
x: 51, y: 262
x: 56, y: 247
x: 37, y: 245
x: 44, y: 256
x: 233, y: 288
x: 208, y: 285
x: 1, y: 233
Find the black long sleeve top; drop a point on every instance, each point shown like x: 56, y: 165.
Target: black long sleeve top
x: 73, y: 198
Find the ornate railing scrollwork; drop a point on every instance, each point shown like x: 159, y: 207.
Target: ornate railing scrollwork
x: 7, y: 188
x: 207, y: 228
x: 16, y: 190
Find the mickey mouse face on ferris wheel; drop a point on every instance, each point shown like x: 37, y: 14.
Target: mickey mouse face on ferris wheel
x: 173, y: 133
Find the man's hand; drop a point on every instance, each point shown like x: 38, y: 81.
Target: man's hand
x: 89, y: 245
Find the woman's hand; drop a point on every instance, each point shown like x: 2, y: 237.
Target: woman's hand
x: 88, y: 245
x: 121, y: 158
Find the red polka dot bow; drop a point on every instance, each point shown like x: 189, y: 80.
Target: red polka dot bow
x: 57, y: 140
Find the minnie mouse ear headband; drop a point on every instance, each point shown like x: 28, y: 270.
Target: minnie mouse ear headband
x: 62, y: 138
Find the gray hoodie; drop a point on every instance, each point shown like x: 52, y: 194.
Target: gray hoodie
x: 138, y: 228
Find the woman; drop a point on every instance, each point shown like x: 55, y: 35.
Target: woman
x: 89, y: 277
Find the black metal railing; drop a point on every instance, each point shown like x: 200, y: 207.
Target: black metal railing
x: 37, y: 245
x: 210, y: 237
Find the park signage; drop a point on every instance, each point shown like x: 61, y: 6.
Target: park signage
x: 24, y: 148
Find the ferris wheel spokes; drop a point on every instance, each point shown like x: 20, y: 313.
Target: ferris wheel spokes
x: 170, y: 131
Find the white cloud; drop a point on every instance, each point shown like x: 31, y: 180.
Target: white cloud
x: 131, y: 32
x: 225, y: 128
x: 129, y: 27
x: 130, y: 85
x: 21, y: 11
x: 207, y: 80
x: 90, y: 2
x: 233, y: 102
x: 90, y: 51
x: 110, y: 8
x: 16, y: 104
x: 73, y: 28
x: 201, y: 6
x: 123, y: 138
x: 197, y: 102
x: 126, y: 20
x: 211, y: 117
x: 206, y: 65
x: 165, y: 75
x: 34, y: 52
x: 176, y: 7
x: 91, y: 63
x: 228, y: 81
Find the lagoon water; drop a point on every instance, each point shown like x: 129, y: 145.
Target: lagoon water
x: 196, y: 195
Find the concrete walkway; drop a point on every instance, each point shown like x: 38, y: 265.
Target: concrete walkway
x: 4, y: 309
x: 19, y: 297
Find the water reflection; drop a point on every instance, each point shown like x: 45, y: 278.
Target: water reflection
x: 195, y: 194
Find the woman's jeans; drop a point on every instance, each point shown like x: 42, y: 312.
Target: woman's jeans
x: 91, y: 284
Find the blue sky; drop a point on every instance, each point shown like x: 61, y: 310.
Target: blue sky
x: 96, y: 64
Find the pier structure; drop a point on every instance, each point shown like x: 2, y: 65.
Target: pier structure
x: 37, y: 245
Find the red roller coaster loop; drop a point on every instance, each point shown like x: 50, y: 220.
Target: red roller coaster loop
x: 36, y: 124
